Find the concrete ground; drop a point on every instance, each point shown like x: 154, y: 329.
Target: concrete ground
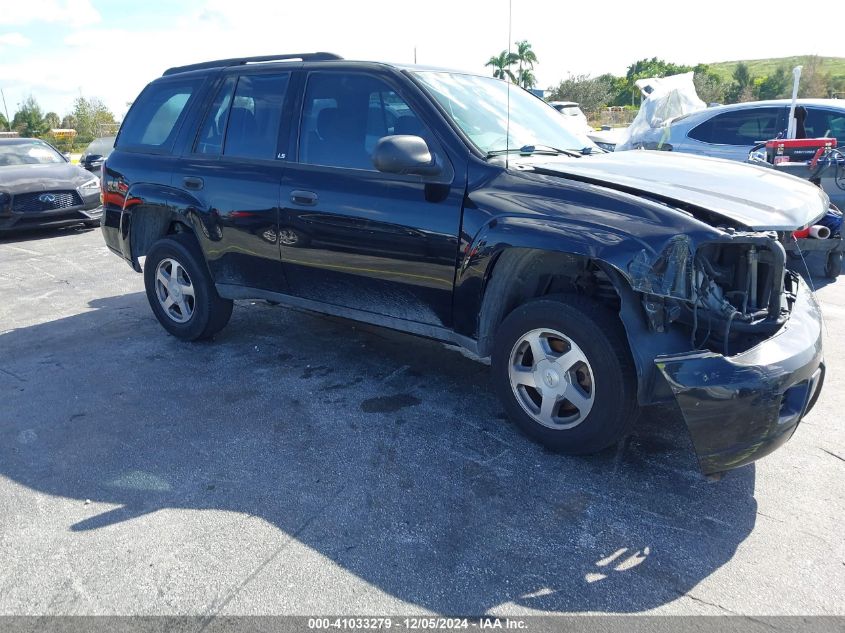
x: 301, y: 464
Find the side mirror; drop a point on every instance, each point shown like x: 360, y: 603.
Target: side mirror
x: 404, y: 154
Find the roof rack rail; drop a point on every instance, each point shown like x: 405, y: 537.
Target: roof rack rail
x: 240, y: 61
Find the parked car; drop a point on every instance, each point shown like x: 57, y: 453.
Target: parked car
x: 39, y: 187
x: 96, y: 152
x: 607, y: 138
x: 731, y: 131
x: 572, y: 110
x: 597, y: 282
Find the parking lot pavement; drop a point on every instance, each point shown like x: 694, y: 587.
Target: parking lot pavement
x: 304, y: 464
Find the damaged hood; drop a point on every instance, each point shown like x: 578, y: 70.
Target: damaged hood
x: 759, y: 198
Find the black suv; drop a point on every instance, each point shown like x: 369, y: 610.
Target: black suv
x: 461, y: 208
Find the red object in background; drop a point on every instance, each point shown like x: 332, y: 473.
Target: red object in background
x: 796, y: 150
x: 803, y: 233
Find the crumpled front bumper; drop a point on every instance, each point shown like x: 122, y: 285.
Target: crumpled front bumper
x: 741, y: 408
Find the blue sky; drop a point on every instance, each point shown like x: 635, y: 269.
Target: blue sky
x: 59, y: 49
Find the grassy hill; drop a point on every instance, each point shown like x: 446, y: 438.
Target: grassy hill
x: 764, y: 67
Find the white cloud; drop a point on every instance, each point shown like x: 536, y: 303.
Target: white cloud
x: 74, y: 13
x: 13, y: 39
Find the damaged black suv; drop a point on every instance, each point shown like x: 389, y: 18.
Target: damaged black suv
x: 460, y: 208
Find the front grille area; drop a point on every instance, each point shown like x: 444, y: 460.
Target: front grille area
x: 45, y: 201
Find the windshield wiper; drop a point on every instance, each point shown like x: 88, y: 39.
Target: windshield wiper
x: 537, y: 148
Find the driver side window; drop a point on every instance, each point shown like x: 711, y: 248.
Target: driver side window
x: 345, y: 115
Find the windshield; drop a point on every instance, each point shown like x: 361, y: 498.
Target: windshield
x: 479, y: 105
x: 28, y: 153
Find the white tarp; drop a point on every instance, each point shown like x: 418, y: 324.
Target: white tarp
x: 664, y: 98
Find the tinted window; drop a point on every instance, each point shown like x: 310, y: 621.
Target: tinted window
x: 825, y: 123
x: 154, y: 119
x: 210, y: 138
x: 344, y: 116
x: 743, y: 127
x: 255, y: 116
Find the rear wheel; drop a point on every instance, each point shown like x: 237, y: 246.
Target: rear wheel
x: 564, y: 372
x: 180, y: 290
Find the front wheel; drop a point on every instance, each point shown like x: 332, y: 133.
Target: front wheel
x: 564, y: 372
x: 180, y: 289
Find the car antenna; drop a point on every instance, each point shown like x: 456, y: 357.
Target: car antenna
x: 508, y: 126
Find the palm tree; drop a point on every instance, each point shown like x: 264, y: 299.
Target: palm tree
x: 501, y: 65
x: 526, y: 78
x: 526, y: 58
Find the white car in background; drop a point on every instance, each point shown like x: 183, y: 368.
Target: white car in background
x: 731, y: 131
x: 573, y: 111
x: 606, y: 138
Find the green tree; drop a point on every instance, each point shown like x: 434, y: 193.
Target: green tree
x: 68, y: 122
x: 501, y: 65
x: 775, y: 86
x: 4, y: 123
x: 526, y: 78
x: 525, y: 59
x: 52, y: 120
x: 28, y: 120
x: 90, y: 115
x: 708, y: 85
x: 591, y: 93
x: 742, y: 87
x: 814, y: 81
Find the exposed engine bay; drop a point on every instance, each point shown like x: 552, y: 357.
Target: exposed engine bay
x: 730, y: 293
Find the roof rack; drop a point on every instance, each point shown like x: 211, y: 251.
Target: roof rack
x: 241, y: 61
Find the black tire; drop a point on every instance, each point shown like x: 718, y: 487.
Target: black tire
x: 599, y: 334
x: 834, y: 265
x: 210, y: 312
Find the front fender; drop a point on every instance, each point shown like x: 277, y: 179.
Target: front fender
x: 504, y: 240
x: 612, y: 245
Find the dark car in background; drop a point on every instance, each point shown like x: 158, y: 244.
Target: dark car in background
x: 39, y: 187
x: 96, y: 152
x: 451, y: 206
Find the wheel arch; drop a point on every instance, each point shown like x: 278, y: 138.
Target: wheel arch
x: 152, y: 212
x: 518, y: 274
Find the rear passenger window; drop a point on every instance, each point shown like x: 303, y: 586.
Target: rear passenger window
x: 153, y: 121
x: 255, y: 116
x: 743, y: 127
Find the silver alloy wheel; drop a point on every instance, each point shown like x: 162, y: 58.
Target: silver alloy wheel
x: 174, y: 290
x: 551, y: 379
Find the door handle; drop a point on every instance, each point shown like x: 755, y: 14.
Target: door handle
x: 308, y: 198
x: 192, y: 182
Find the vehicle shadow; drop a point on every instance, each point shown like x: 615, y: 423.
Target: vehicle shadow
x: 30, y: 235
x: 385, y: 453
